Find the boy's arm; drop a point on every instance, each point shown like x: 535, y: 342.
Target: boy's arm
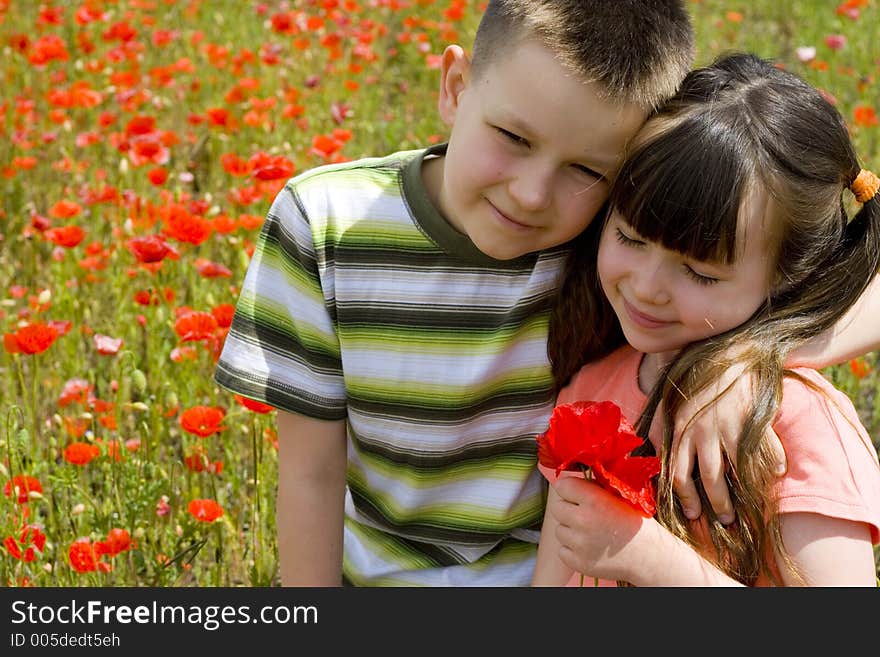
x: 857, y: 333
x: 549, y: 569
x: 704, y: 437
x: 311, y: 499
x: 707, y: 431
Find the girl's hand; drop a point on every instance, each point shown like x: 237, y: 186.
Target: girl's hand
x: 707, y: 429
x: 598, y: 534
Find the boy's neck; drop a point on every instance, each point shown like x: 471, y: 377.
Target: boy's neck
x: 432, y: 177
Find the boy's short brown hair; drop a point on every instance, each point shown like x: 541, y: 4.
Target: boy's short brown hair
x: 638, y: 50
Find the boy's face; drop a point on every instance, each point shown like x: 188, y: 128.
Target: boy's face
x: 532, y: 150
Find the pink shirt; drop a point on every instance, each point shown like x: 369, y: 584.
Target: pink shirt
x: 833, y: 468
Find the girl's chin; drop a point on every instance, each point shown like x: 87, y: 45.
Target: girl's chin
x: 659, y: 353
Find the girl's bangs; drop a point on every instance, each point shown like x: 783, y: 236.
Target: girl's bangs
x: 684, y: 188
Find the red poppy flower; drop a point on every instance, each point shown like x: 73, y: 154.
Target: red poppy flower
x: 118, y: 540
x: 83, y: 558
x: 20, y: 486
x: 235, y: 165
x: 151, y: 248
x: 75, y: 390
x: 865, y: 115
x: 205, y: 510
x: 147, y: 149
x: 140, y: 125
x: 158, y: 176
x: 48, y: 48
x: 30, y: 541
x: 184, y: 226
x: 208, y: 269
x: 223, y: 314
x: 221, y: 117
x: 632, y: 478
x: 273, y: 168
x: 251, y: 221
x: 80, y: 453
x: 10, y: 344
x: 595, y: 435
x: 197, y: 461
x: 65, y: 209
x: 146, y: 298
x: 253, y: 405
x: 202, y: 420
x: 859, y: 367
x: 34, y: 338
x: 66, y: 236
x: 325, y: 145
x: 585, y: 433
x: 33, y: 535
x: 12, y: 547
x: 195, y: 325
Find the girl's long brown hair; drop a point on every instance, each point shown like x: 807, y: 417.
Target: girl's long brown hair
x: 738, y: 125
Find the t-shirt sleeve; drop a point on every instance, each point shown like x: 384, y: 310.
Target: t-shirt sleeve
x: 832, y: 463
x: 282, y: 347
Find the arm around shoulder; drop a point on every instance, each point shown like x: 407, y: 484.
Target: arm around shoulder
x: 855, y: 334
x: 311, y: 497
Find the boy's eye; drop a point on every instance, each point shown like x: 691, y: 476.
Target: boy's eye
x: 513, y: 137
x: 699, y: 278
x: 625, y: 239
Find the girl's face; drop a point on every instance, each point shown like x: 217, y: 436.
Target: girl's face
x: 666, y: 300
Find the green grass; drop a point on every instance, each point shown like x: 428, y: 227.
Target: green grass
x: 367, y: 74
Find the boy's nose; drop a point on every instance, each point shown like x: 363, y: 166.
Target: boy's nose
x: 532, y: 190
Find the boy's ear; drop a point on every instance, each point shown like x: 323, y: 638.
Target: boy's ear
x: 455, y: 73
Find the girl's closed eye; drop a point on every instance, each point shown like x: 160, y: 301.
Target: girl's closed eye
x: 699, y: 278
x: 702, y: 279
x: 626, y: 240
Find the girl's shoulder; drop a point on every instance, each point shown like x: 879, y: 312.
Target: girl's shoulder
x: 809, y: 400
x: 833, y: 466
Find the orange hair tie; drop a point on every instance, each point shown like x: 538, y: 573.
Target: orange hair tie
x: 865, y: 186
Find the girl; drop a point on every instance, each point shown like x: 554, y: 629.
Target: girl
x: 726, y: 228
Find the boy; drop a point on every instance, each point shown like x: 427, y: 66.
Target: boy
x: 396, y: 308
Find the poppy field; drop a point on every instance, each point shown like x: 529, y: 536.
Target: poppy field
x: 141, y: 144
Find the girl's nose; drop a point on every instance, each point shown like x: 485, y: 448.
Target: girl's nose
x: 649, y: 281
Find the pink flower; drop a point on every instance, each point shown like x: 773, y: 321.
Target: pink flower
x: 835, y: 41
x: 106, y: 345
x: 806, y: 54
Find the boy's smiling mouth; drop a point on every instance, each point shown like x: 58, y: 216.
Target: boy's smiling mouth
x: 509, y: 221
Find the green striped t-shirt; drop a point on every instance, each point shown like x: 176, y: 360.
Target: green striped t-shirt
x: 362, y: 303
